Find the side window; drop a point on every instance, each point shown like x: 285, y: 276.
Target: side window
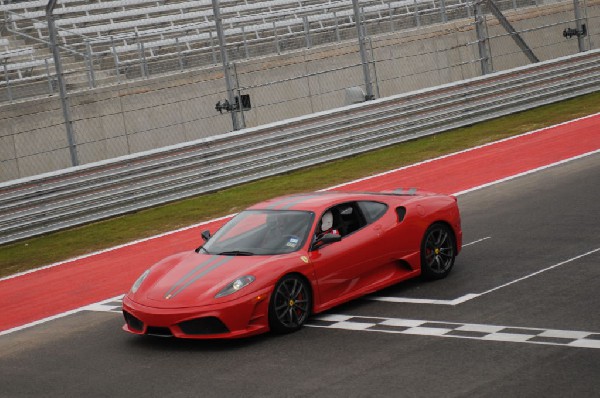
x: 372, y: 211
x: 350, y: 218
x: 344, y: 219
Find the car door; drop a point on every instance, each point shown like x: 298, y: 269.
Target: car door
x: 339, y: 266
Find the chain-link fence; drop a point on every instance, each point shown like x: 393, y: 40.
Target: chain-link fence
x: 142, y: 74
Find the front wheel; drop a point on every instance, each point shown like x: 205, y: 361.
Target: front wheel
x: 437, y: 251
x: 290, y: 304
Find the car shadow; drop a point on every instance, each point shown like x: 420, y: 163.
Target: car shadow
x: 154, y: 343
x: 212, y: 345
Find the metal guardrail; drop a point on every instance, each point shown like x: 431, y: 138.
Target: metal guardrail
x: 79, y: 195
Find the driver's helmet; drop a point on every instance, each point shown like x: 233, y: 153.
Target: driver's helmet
x: 327, y: 221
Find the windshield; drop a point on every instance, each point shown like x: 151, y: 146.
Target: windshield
x: 262, y: 232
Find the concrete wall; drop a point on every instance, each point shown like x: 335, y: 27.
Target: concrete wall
x: 147, y: 114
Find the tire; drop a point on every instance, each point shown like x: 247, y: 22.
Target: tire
x: 290, y: 305
x: 438, y: 251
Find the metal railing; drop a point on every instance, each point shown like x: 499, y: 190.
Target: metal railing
x: 78, y: 195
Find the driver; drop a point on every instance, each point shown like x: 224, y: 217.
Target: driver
x: 327, y: 225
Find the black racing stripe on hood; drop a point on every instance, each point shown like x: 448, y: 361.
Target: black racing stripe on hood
x: 189, y: 275
x: 202, y: 273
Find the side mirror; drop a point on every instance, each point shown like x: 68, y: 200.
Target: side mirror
x: 326, y: 239
x: 205, y: 235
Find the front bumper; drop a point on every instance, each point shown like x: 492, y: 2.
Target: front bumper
x: 242, y: 317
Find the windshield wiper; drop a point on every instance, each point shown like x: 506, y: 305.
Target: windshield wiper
x: 236, y: 253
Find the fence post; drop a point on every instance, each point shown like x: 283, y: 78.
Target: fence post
x: 142, y: 53
x: 276, y: 39
x: 306, y: 31
x: 417, y: 16
x: 239, y: 93
x: 245, y: 42
x: 61, y: 82
x: 363, y: 53
x: 374, y: 62
x: 484, y: 55
x: 580, y: 40
x: 212, y: 47
x: 8, y: 88
x: 179, y: 54
x: 116, y: 57
x: 91, y: 76
x: 226, y: 70
x: 50, y: 87
x: 443, y: 11
x: 337, y: 28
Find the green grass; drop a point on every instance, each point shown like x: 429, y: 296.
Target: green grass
x: 36, y: 252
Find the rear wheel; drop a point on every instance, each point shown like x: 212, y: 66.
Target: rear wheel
x: 290, y: 304
x: 437, y: 251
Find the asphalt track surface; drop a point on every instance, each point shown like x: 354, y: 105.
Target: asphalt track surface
x: 518, y: 316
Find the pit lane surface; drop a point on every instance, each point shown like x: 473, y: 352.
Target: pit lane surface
x: 527, y: 322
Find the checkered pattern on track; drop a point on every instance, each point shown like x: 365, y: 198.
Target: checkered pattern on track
x: 568, y: 338
x: 459, y: 330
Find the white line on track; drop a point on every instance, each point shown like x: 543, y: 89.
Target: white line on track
x: 489, y: 184
x: 476, y: 241
x: 409, y: 300
x: 91, y: 307
x: 471, y: 296
x: 542, y: 270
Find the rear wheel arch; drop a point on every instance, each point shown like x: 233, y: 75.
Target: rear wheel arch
x: 450, y: 228
x: 438, y: 250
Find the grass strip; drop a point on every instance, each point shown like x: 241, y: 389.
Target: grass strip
x: 35, y: 252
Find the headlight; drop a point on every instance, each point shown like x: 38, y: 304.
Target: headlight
x: 236, y: 285
x: 138, y: 282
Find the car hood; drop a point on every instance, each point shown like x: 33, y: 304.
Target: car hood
x: 193, y: 279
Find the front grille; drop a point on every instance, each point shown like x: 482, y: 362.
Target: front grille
x: 133, y: 322
x: 207, y: 325
x: 160, y: 332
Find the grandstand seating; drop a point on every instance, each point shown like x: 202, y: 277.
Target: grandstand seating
x: 7, y: 55
x: 24, y: 68
x: 130, y: 30
x: 18, y: 63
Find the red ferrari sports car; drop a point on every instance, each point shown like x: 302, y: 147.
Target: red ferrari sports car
x: 276, y: 263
